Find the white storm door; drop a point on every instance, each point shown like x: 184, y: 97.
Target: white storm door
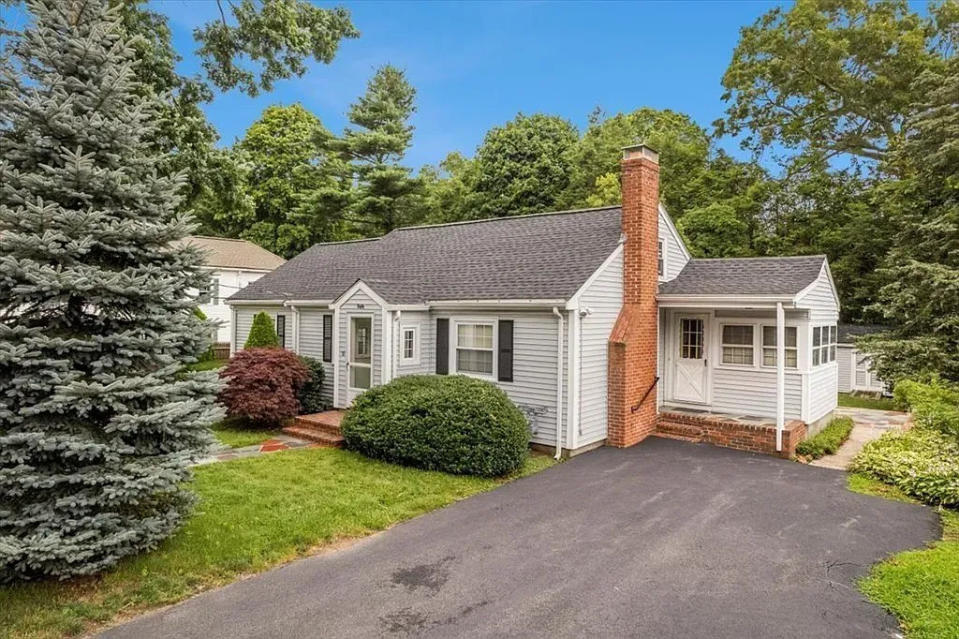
x: 360, y: 364
x: 691, y: 378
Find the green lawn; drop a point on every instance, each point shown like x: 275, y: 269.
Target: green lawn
x: 232, y: 433
x: 865, y: 401
x: 253, y: 513
x: 921, y: 587
x: 208, y: 365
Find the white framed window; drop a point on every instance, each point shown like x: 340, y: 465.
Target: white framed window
x: 409, y: 345
x: 824, y: 340
x: 791, y: 346
x: 738, y: 344
x: 474, y: 348
x: 661, y: 260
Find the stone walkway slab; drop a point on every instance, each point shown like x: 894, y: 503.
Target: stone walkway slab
x: 870, y: 424
x: 276, y: 444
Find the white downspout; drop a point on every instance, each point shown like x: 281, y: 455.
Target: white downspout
x: 780, y: 374
x: 397, y: 338
x: 559, y: 382
x: 296, y: 327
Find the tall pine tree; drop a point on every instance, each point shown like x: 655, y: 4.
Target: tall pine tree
x: 98, y: 423
x: 387, y: 196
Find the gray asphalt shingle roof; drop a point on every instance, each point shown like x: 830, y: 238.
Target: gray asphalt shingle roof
x: 745, y: 276
x: 545, y: 256
x: 849, y: 332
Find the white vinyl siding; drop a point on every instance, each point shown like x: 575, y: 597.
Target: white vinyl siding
x: 425, y: 327
x: 823, y: 382
x: 844, y: 363
x: 226, y: 282
x: 533, y: 388
x: 821, y: 302
x: 674, y: 256
x: 359, y: 304
x: 311, y: 345
x: 603, y: 298
x: 753, y: 392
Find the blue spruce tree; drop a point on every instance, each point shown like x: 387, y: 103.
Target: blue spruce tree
x: 98, y: 421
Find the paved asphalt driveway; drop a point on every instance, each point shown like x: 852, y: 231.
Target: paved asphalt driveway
x: 666, y: 539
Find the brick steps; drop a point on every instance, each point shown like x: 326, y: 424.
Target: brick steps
x: 676, y: 430
x: 319, y: 428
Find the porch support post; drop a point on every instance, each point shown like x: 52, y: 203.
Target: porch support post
x: 780, y: 374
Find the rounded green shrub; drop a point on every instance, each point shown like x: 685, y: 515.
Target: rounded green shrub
x: 262, y: 333
x: 456, y: 424
x: 311, y: 393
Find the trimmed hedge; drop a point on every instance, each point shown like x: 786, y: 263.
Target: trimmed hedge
x: 262, y: 333
x: 452, y: 423
x: 934, y: 405
x: 311, y: 393
x: 828, y: 440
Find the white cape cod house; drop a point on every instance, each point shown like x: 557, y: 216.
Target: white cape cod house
x: 597, y: 323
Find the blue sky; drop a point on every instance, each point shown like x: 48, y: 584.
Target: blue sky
x: 475, y: 65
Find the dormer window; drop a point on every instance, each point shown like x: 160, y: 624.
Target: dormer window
x: 661, y: 265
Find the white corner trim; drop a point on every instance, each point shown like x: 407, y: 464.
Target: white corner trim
x: 359, y: 285
x: 573, y: 302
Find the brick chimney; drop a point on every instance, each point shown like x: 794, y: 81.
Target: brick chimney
x: 634, y: 342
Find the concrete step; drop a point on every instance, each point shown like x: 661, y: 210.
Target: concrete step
x: 682, y: 432
x: 333, y: 440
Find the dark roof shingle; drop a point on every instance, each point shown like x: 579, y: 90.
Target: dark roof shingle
x: 745, y: 276
x: 546, y: 256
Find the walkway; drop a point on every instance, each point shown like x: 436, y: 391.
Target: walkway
x: 276, y: 444
x: 870, y: 424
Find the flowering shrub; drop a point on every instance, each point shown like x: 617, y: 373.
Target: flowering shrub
x: 262, y: 385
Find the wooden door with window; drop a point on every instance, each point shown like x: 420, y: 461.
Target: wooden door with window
x: 691, y: 371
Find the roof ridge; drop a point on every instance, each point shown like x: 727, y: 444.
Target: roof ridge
x: 507, y: 217
x: 356, y: 241
x: 224, y: 239
x: 760, y: 257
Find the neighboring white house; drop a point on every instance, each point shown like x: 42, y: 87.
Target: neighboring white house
x: 855, y: 368
x: 562, y: 312
x: 233, y: 264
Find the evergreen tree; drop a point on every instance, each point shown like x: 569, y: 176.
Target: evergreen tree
x: 98, y: 421
x: 262, y: 333
x: 387, y: 196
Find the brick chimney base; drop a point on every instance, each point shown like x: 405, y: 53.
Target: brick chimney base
x: 632, y: 350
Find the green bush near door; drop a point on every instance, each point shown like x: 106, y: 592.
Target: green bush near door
x: 453, y: 423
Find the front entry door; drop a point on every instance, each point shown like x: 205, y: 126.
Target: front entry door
x: 691, y: 377
x: 360, y: 364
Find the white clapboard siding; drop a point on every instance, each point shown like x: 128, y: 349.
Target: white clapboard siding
x: 533, y: 388
x: 244, y: 320
x: 844, y: 361
x: 603, y: 298
x: 753, y: 392
x: 359, y: 304
x: 823, y: 381
x: 821, y: 301
x: 311, y: 345
x: 673, y: 254
x: 425, y: 328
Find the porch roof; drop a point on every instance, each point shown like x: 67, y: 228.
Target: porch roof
x: 747, y: 279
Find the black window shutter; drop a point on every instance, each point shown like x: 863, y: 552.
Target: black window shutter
x: 281, y: 329
x: 505, y: 355
x: 327, y: 338
x: 442, y: 346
